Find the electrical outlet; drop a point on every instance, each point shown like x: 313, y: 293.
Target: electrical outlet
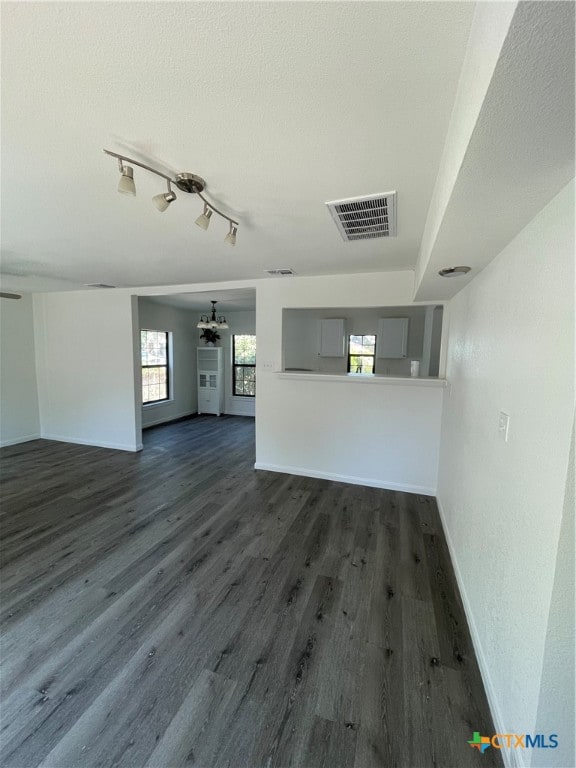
x: 503, y: 425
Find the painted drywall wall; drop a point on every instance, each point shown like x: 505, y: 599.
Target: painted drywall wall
x: 240, y: 323
x: 511, y: 349
x: 181, y: 324
x: 386, y: 435
x: 19, y: 413
x: 85, y: 355
x: 557, y: 685
x: 300, y: 337
x: 488, y: 32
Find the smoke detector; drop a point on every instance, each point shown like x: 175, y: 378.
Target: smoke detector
x: 364, y: 218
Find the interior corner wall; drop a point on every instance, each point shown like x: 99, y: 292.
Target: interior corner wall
x: 85, y: 365
x: 511, y: 349
x: 181, y: 323
x: 556, y: 711
x: 19, y: 413
x: 384, y: 435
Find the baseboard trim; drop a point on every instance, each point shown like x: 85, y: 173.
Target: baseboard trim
x: 351, y: 479
x: 18, y: 440
x: 170, y: 419
x: 510, y: 756
x: 93, y: 443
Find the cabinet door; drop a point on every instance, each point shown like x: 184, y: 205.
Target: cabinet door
x: 332, y: 339
x: 207, y: 402
x: 392, y: 341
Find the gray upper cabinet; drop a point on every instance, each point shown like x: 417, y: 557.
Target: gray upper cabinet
x: 332, y: 338
x: 392, y: 338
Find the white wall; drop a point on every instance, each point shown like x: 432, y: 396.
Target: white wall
x: 19, y: 415
x: 240, y: 323
x: 85, y: 350
x: 511, y: 348
x: 557, y: 685
x: 385, y: 435
x: 181, y: 323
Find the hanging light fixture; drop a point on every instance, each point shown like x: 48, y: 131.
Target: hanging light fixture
x: 186, y: 182
x: 211, y: 321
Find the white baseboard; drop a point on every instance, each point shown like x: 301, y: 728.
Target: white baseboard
x: 167, y: 419
x: 17, y: 440
x: 95, y: 443
x: 240, y: 407
x: 510, y: 756
x: 352, y: 479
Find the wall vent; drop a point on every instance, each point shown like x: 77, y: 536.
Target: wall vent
x: 98, y: 285
x: 285, y: 272
x: 363, y: 218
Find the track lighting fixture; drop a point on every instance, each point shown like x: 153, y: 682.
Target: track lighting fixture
x: 126, y: 184
x: 163, y: 201
x: 186, y: 182
x: 204, y: 219
x: 231, y: 236
x: 211, y: 321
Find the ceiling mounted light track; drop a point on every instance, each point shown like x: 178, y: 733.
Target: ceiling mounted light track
x: 186, y: 182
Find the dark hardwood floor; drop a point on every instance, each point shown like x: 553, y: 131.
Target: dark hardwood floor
x: 178, y: 608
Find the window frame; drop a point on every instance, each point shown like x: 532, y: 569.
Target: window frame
x: 166, y: 365
x: 236, y: 365
x: 355, y: 354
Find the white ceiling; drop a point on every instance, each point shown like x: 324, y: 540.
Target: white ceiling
x: 231, y: 300
x: 280, y: 106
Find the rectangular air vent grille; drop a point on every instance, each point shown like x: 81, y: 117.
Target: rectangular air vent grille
x: 363, y: 218
x: 98, y: 285
x: 285, y: 272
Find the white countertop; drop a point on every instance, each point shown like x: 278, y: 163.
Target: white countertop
x: 361, y: 378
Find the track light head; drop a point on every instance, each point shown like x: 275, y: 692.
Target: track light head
x: 203, y: 220
x: 231, y: 236
x: 163, y: 201
x: 126, y: 184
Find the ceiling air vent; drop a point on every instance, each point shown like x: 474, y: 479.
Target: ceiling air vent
x: 98, y: 285
x: 286, y: 272
x: 363, y: 218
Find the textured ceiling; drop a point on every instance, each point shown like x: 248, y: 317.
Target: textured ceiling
x: 280, y: 106
x: 232, y: 300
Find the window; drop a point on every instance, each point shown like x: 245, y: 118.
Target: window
x: 244, y: 366
x: 155, y: 366
x: 361, y: 354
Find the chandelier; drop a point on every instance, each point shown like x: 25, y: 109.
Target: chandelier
x: 186, y: 182
x: 211, y: 321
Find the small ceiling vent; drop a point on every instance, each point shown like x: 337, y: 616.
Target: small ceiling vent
x: 363, y: 218
x: 98, y: 285
x: 285, y: 272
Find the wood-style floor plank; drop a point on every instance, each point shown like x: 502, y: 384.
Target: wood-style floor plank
x: 178, y: 608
